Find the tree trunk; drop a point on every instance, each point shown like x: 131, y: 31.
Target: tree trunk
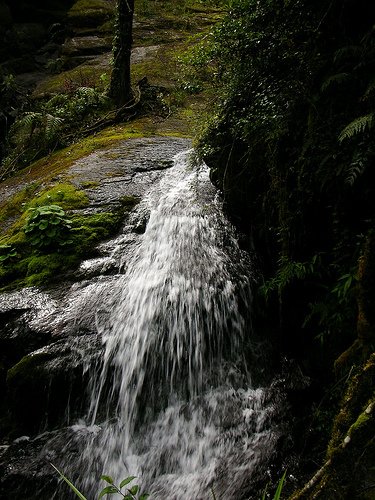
x: 120, y: 88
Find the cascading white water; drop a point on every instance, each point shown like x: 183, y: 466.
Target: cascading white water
x: 173, y: 403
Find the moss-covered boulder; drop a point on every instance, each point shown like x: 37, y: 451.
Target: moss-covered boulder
x: 90, y: 13
x: 48, y: 384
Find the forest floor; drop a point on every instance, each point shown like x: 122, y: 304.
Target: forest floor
x: 163, y: 33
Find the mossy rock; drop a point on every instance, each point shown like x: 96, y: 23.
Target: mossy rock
x: 42, y: 385
x: 27, y: 388
x: 90, y: 13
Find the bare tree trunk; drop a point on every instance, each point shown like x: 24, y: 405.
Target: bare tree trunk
x: 120, y: 88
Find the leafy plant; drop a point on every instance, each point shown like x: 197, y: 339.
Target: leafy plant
x: 279, y: 489
x: 288, y: 271
x: 7, y: 252
x: 8, y: 83
x: 130, y: 493
x: 47, y: 226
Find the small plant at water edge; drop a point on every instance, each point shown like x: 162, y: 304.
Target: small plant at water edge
x: 279, y: 489
x: 48, y: 226
x: 129, y: 493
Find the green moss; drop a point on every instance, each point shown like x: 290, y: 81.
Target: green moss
x: 85, y: 75
x: 88, y: 230
x: 90, y: 184
x: 129, y: 202
x: 48, y: 167
x: 40, y: 269
x: 361, y: 420
x: 26, y: 368
x: 15, y: 205
x: 90, y: 12
x: 65, y: 195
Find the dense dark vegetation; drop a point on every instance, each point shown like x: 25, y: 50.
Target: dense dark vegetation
x: 291, y: 145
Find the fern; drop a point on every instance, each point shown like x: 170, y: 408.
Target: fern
x: 355, y: 170
x: 357, y: 126
x: 334, y: 80
x: 347, y: 52
x: 47, y: 126
x: 28, y: 122
x: 52, y: 126
x: 370, y: 91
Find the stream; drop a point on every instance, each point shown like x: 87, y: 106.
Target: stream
x: 170, y: 396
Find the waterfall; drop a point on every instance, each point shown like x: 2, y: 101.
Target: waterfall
x: 173, y: 402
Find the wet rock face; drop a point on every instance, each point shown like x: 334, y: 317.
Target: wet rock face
x: 49, y: 382
x: 49, y: 340
x: 25, y: 469
x: 127, y: 169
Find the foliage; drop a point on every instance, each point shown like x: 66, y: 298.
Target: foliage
x: 131, y: 493
x: 48, y: 226
x: 70, y: 484
x: 279, y: 488
x: 357, y: 126
x: 52, y: 232
x: 291, y: 145
x: 41, y: 131
x: 7, y: 253
x: 289, y: 271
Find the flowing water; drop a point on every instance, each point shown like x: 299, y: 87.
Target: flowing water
x: 173, y: 402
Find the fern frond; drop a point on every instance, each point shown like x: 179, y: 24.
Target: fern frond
x: 370, y: 90
x: 347, y: 52
x: 29, y: 120
x: 334, y: 80
x: 355, y: 170
x: 357, y: 126
x: 52, y: 126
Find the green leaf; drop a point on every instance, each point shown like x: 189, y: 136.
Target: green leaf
x: 280, y: 487
x: 144, y: 496
x: 134, y: 489
x: 108, y: 490
x: 126, y: 481
x: 64, y: 243
x: 43, y: 225
x: 108, y: 479
x: 71, y: 485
